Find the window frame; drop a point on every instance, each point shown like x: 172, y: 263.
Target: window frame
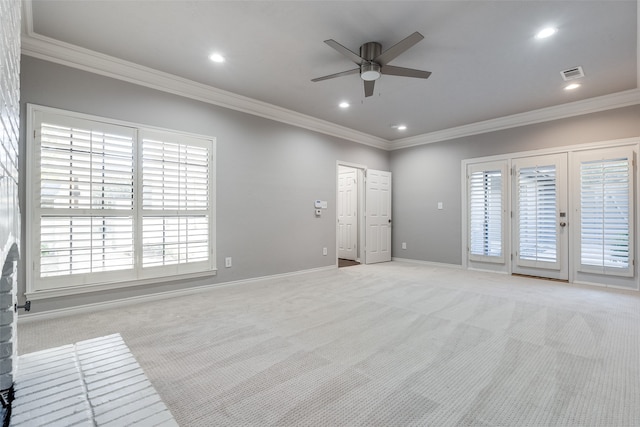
x: 38, y: 287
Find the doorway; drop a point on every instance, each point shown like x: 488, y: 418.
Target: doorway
x: 568, y: 215
x: 349, y: 210
x: 363, y: 215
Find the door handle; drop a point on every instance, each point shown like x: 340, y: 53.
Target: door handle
x: 562, y: 224
x: 389, y: 220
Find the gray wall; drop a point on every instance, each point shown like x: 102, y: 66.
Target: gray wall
x: 268, y: 173
x: 428, y: 174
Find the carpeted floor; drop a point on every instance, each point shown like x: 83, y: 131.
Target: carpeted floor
x: 394, y: 344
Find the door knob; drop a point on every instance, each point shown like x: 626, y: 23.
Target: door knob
x: 562, y: 224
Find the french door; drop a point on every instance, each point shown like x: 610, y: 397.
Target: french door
x: 540, y: 232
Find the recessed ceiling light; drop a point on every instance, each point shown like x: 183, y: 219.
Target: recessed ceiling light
x: 572, y: 86
x: 401, y: 127
x: 344, y: 104
x: 216, y: 57
x: 546, y: 32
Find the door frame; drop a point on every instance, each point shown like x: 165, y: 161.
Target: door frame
x: 361, y: 172
x: 563, y: 263
x: 571, y: 150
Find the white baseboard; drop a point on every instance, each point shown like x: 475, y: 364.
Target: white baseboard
x: 86, y: 308
x: 603, y: 285
x: 429, y: 263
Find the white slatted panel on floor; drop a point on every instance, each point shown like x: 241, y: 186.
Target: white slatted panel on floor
x: 96, y: 382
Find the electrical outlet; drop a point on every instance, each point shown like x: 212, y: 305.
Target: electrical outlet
x: 227, y: 262
x: 404, y: 245
x: 324, y: 251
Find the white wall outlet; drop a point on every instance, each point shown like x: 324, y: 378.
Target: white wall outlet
x: 227, y: 262
x: 439, y: 205
x: 324, y: 251
x: 404, y: 245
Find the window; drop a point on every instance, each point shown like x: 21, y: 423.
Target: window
x: 606, y: 212
x: 486, y: 190
x: 116, y: 203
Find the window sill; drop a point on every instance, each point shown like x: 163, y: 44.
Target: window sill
x: 84, y: 289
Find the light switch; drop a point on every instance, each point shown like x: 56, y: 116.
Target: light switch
x: 439, y: 205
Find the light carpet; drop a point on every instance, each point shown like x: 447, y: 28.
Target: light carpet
x: 395, y: 344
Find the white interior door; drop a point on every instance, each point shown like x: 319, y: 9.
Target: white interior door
x: 378, y: 216
x: 347, y: 213
x: 540, y: 216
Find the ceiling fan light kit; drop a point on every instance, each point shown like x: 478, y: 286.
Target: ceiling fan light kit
x: 370, y: 71
x: 373, y: 62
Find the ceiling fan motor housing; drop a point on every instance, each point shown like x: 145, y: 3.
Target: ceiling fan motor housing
x: 370, y: 70
x: 370, y: 51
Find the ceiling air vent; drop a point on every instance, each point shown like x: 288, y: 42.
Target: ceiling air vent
x: 572, y: 73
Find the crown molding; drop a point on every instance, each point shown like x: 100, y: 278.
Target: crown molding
x: 572, y: 109
x: 52, y: 50
x: 56, y: 51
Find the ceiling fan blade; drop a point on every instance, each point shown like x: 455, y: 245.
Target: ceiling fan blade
x: 333, y: 76
x: 343, y: 50
x: 368, y: 87
x: 404, y: 72
x: 395, y: 50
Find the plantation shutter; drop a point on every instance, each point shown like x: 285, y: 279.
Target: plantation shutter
x: 537, y: 195
x: 115, y: 204
x: 606, y: 212
x: 486, y: 202
x: 85, y: 203
x: 176, y: 200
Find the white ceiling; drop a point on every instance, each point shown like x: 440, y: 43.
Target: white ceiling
x: 485, y: 60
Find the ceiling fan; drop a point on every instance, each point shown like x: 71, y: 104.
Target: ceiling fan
x: 373, y: 62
